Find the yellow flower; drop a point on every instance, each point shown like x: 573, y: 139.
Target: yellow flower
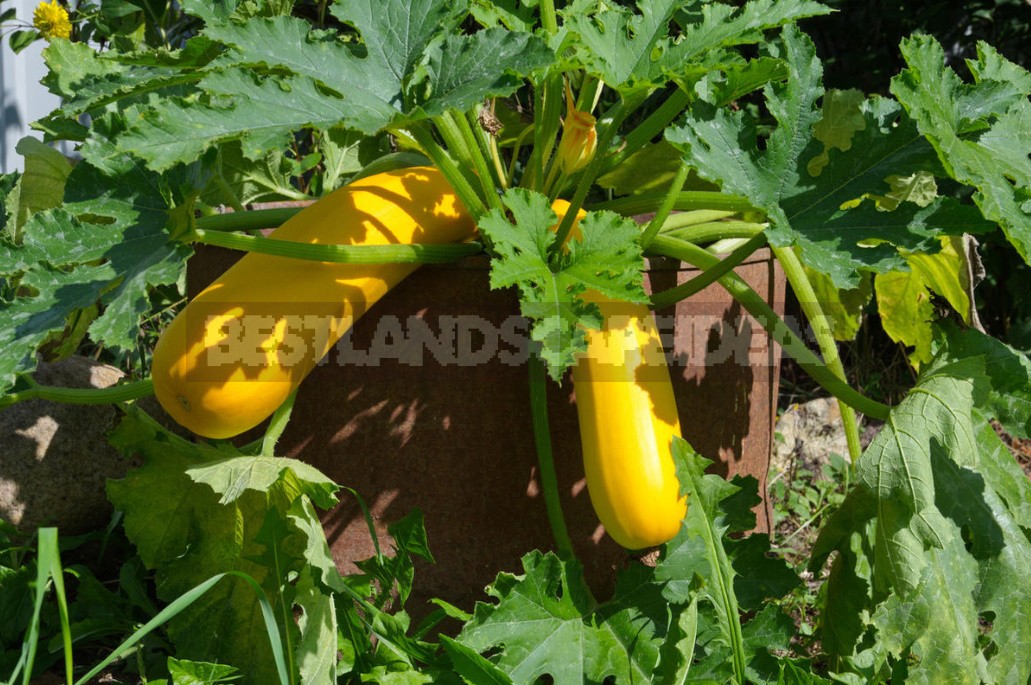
x: 579, y: 138
x: 51, y: 20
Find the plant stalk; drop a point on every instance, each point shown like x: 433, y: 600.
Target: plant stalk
x: 547, y: 119
x: 709, y: 276
x: 657, y: 222
x: 545, y: 457
x: 654, y: 124
x: 710, y: 232
x: 416, y: 253
x: 117, y: 393
x: 774, y: 325
x: 248, y: 220
x: 462, y: 144
x: 277, y: 424
x: 810, y: 304
x: 476, y: 152
x: 489, y: 147
x: 446, y: 165
x: 549, y: 19
x: 685, y: 199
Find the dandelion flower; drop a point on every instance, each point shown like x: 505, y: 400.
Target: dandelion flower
x: 51, y: 20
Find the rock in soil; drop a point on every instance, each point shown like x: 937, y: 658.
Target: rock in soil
x: 55, y: 458
x: 809, y: 433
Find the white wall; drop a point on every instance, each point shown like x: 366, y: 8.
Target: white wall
x: 22, y: 98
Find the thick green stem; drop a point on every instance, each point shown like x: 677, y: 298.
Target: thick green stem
x: 654, y: 124
x: 277, y: 425
x: 462, y: 144
x: 489, y: 147
x: 476, y: 152
x: 693, y: 218
x: 547, y: 119
x: 341, y: 254
x: 685, y: 199
x: 810, y: 304
x: 116, y: 393
x: 774, y: 325
x: 545, y: 458
x: 718, y: 230
x: 709, y: 276
x: 446, y: 165
x: 549, y: 19
x: 665, y: 208
x: 248, y: 220
x: 710, y: 232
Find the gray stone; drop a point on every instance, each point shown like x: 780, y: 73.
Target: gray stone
x: 808, y: 434
x: 55, y: 458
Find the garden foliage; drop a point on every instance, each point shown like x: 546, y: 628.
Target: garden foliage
x: 865, y: 199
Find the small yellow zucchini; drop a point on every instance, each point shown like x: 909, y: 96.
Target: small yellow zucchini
x: 628, y: 417
x: 242, y: 346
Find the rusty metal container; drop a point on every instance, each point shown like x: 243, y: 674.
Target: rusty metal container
x: 426, y: 404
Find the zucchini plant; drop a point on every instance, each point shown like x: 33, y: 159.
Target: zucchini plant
x: 710, y: 117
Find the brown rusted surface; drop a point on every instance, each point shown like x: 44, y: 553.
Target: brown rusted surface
x: 455, y: 439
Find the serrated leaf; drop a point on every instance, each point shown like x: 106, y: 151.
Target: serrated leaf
x: 920, y: 188
x: 471, y: 666
x: 181, y: 529
x: 645, y: 55
x: 87, y: 80
x: 26, y: 322
x: 895, y: 480
x: 408, y: 66
x: 841, y: 118
x: 606, y: 258
x: 770, y: 630
x: 140, y: 209
x: 517, y: 15
x: 812, y: 211
x: 992, y: 66
x: 317, y: 627
x: 230, y: 477
x: 930, y: 536
x: 464, y: 70
x: 397, y: 573
x: 726, y: 79
x: 981, y: 132
x: 261, y: 112
x: 40, y: 187
x: 212, y: 11
x: 904, y: 299
x: 843, y: 308
x: 1009, y: 374
x: 937, y: 621
x: 1001, y: 554
x: 908, y: 311
x: 262, y: 180
x: 185, y: 672
x: 547, y: 624
x: 758, y: 575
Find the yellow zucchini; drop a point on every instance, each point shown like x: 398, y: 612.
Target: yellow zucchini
x: 238, y: 350
x: 628, y: 417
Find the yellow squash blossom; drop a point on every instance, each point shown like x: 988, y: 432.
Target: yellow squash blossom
x: 51, y: 20
x: 579, y: 137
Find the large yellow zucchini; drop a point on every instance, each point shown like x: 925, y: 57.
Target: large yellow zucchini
x: 628, y: 417
x: 238, y: 350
